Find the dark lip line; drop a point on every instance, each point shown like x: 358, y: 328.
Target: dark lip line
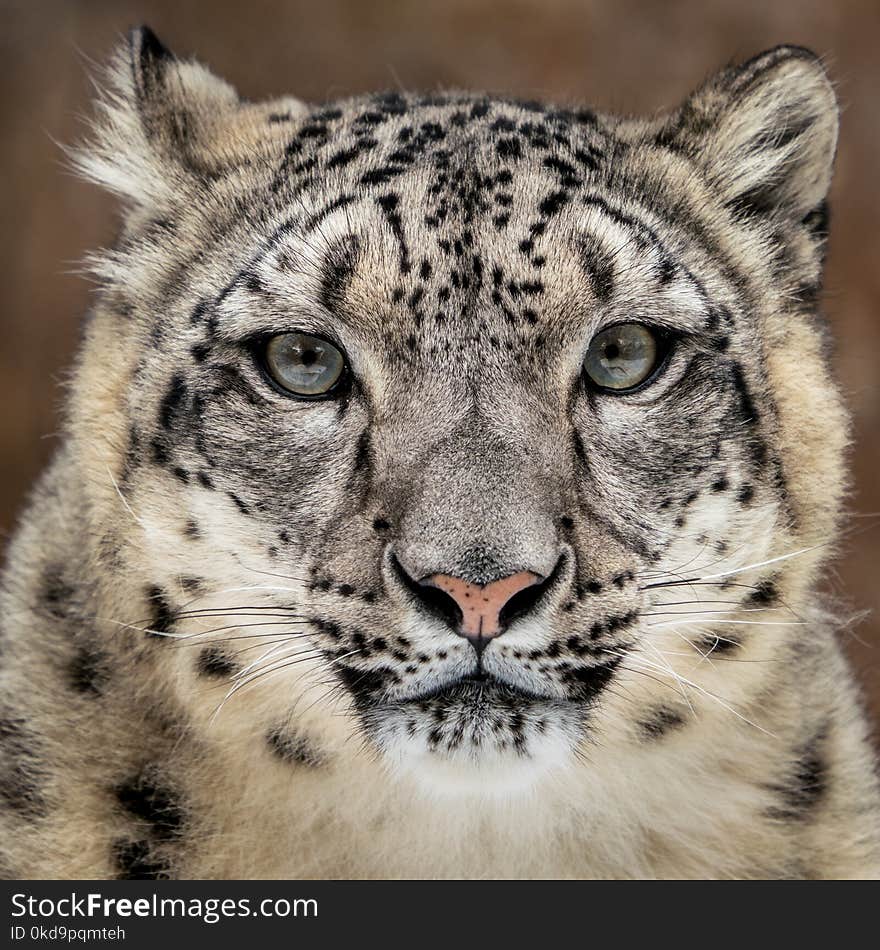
x: 484, y: 681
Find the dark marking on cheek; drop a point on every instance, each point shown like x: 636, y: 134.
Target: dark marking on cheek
x: 621, y: 580
x: 200, y: 352
x: 363, y: 684
x: 765, y: 594
x: 580, y: 449
x: 199, y: 313
x: 242, y: 507
x: 22, y: 777
x: 56, y: 594
x: 215, y: 663
x: 159, y: 452
x: 147, y: 798
x: 294, y: 749
x: 599, y: 269
x: 659, y: 723
x: 746, y: 495
x: 327, y: 627
x: 362, y: 452
x: 749, y: 413
x: 173, y: 401
x: 587, y: 682
x: 718, y: 645
x: 163, y: 616
x: 88, y: 672
x: 804, y: 788
x: 135, y: 861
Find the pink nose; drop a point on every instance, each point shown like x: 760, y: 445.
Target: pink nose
x: 481, y: 605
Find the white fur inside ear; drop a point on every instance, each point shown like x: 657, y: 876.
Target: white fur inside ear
x: 778, y: 137
x: 118, y: 156
x: 135, y: 150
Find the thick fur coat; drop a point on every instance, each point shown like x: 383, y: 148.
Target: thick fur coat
x: 219, y: 658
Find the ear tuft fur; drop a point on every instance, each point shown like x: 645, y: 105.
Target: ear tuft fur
x: 151, y: 115
x: 149, y: 58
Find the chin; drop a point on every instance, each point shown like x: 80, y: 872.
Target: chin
x: 477, y: 739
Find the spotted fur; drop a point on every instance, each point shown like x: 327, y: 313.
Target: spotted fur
x: 214, y: 660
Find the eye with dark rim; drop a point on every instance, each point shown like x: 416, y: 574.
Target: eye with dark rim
x: 303, y: 365
x: 626, y: 357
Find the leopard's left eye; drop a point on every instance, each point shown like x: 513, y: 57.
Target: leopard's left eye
x: 622, y: 357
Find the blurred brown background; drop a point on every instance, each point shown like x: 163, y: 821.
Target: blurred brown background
x: 632, y: 55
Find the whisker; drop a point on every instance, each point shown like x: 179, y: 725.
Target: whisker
x: 756, y: 623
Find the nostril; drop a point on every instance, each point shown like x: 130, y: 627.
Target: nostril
x: 525, y: 601
x: 520, y: 604
x: 435, y: 600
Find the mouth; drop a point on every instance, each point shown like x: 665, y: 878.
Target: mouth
x: 476, y: 734
x: 478, y: 689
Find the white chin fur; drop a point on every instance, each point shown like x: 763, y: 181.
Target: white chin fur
x: 492, y: 773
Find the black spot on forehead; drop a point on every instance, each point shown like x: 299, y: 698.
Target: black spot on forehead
x: 599, y: 268
x: 337, y: 268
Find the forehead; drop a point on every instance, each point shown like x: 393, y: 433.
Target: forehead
x: 431, y: 220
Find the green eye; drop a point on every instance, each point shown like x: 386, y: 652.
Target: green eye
x: 304, y: 365
x: 621, y: 357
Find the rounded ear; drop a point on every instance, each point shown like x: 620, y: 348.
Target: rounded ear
x: 765, y: 132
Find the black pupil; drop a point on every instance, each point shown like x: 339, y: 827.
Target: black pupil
x: 308, y: 357
x: 612, y: 351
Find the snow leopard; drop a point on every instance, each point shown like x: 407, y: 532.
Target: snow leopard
x: 445, y: 490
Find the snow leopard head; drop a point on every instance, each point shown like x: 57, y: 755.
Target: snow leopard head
x: 489, y: 423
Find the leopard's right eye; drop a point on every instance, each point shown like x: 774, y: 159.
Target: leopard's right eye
x: 304, y: 365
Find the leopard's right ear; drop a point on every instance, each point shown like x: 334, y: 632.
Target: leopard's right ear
x: 149, y: 110
x: 163, y: 125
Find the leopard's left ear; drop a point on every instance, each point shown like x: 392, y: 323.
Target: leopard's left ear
x: 765, y: 132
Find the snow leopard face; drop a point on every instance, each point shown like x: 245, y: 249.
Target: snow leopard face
x: 463, y: 405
